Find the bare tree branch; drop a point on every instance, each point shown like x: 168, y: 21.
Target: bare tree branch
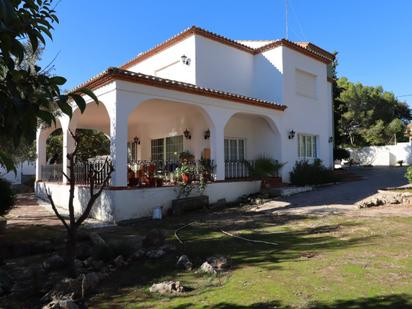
x: 94, y: 196
x: 56, y: 212
x: 67, y: 177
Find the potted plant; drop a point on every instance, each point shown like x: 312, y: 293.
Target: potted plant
x: 186, y: 156
x: 206, y: 169
x: 267, y: 170
x: 184, y: 173
x: 188, y: 177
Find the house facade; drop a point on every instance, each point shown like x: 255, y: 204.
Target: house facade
x: 219, y: 99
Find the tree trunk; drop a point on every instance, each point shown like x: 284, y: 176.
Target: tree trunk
x: 71, y: 253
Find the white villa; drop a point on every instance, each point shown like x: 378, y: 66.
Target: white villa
x: 220, y: 99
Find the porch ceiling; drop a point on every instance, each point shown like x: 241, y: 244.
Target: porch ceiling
x: 113, y: 73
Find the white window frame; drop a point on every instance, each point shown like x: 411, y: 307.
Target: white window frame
x: 227, y: 149
x: 165, y: 147
x: 307, y: 146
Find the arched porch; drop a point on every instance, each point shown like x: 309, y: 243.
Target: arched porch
x: 161, y: 134
x: 248, y: 137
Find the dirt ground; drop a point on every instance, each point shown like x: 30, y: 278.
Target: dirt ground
x: 33, y: 223
x: 28, y: 211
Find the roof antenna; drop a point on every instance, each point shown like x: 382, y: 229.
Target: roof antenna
x: 286, y: 20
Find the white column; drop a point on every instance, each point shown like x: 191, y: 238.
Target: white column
x: 41, y: 138
x: 217, y: 137
x: 217, y: 120
x: 197, y: 142
x: 119, y: 107
x: 118, y: 149
x: 68, y: 142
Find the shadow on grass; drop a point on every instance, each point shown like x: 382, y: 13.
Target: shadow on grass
x: 204, y: 239
x: 380, y: 302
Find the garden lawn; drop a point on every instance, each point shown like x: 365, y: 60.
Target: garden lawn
x: 345, y: 261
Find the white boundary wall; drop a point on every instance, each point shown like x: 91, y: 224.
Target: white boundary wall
x: 25, y: 168
x: 388, y: 155
x: 118, y: 205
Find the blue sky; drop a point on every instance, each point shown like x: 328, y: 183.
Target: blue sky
x: 373, y: 38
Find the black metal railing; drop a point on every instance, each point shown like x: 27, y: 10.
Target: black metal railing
x: 54, y: 173
x: 238, y: 169
x: 100, y: 168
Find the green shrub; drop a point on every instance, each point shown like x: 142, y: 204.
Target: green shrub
x: 265, y: 167
x: 7, y: 197
x: 408, y: 174
x: 305, y: 173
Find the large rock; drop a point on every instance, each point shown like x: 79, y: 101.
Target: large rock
x: 219, y: 263
x: 155, y: 253
x: 139, y: 254
x: 119, y: 261
x: 372, y: 202
x: 61, y: 304
x: 55, y: 262
x: 167, y: 288
x: 184, y: 263
x: 6, y: 283
x: 74, y: 288
x: 155, y: 238
x: 206, y: 268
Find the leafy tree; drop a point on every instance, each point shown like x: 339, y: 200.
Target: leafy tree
x: 54, y: 147
x: 367, y: 115
x: 396, y: 128
x: 92, y: 143
x: 27, y: 93
x: 73, y: 223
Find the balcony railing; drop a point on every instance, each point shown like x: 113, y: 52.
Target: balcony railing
x: 54, y: 173
x: 145, y: 172
x: 238, y: 169
x: 82, y: 172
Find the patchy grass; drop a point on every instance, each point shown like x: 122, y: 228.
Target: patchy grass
x: 328, y: 262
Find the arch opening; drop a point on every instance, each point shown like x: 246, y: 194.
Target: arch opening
x: 162, y: 133
x: 248, y: 138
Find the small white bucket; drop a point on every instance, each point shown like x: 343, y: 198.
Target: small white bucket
x: 157, y: 213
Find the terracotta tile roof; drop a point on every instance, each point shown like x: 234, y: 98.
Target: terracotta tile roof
x: 113, y: 73
x: 316, y: 53
x: 316, y: 49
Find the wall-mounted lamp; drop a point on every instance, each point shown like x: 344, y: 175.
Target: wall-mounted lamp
x: 185, y: 59
x: 187, y: 134
x: 330, y: 139
x: 207, y: 134
x: 136, y: 140
x: 291, y: 134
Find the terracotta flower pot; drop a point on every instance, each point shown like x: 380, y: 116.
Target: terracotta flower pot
x: 185, y: 178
